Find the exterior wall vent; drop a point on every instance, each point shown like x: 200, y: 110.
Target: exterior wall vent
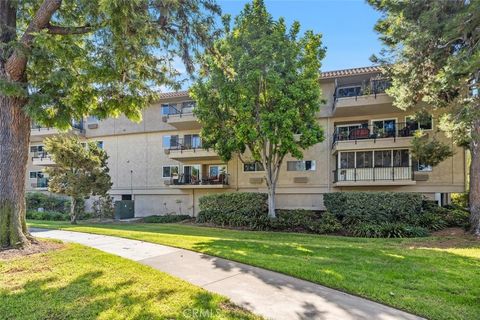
x: 300, y: 179
x: 256, y: 180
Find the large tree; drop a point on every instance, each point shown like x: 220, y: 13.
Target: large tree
x: 63, y: 60
x: 261, y: 101
x: 80, y: 170
x: 433, y: 56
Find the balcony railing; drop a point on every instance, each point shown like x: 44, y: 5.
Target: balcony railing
x: 395, y: 130
x: 355, y: 90
x: 41, y: 155
x: 189, y: 179
x: 172, y: 110
x: 374, y: 174
x: 182, y: 144
x: 77, y: 125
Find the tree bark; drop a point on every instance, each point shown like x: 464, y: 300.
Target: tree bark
x: 474, y: 196
x: 14, y: 141
x: 73, y: 213
x: 271, y: 201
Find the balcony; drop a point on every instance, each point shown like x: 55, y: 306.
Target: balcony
x: 379, y: 176
x: 37, y: 130
x: 42, y: 159
x: 364, y: 136
x: 185, y: 181
x: 181, y: 117
x: 368, y: 95
x: 190, y: 149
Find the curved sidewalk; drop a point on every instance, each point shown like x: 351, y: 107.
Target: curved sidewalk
x: 267, y: 293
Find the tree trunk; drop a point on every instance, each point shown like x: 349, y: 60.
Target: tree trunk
x: 73, y: 213
x: 474, y: 196
x: 271, y: 201
x: 14, y: 141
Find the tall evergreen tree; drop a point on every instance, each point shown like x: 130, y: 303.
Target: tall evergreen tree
x: 261, y: 101
x: 433, y: 57
x: 64, y: 60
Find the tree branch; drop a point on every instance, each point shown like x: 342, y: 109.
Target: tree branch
x: 69, y: 30
x: 17, y: 62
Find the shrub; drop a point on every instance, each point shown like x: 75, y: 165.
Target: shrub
x: 460, y: 199
x: 235, y: 209
x: 103, y: 207
x: 374, y: 207
x: 166, y: 218
x: 457, y: 218
x: 432, y: 221
x: 47, y: 215
x: 37, y: 200
x: 328, y: 224
x: 388, y: 230
x: 295, y: 220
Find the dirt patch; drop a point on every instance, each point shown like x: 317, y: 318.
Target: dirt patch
x: 34, y: 248
x: 449, y: 238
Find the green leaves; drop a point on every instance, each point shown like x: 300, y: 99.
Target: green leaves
x: 264, y: 92
x: 429, y: 151
x: 81, y: 169
x: 107, y: 58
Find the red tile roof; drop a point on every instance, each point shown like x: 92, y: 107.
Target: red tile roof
x: 349, y: 72
x: 174, y: 94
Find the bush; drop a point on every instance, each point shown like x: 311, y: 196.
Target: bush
x: 166, y: 219
x: 460, y: 199
x: 38, y: 200
x: 235, y: 209
x: 47, y: 215
x: 374, y: 207
x: 432, y: 221
x: 388, y: 230
x: 457, y: 218
x: 301, y: 220
x: 103, y: 207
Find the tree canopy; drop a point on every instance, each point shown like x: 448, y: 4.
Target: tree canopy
x: 261, y: 100
x: 433, y: 56
x: 80, y: 169
x: 101, y: 58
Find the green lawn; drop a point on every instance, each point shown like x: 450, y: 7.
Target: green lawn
x: 432, y: 277
x: 77, y: 282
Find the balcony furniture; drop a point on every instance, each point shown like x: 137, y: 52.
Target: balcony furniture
x: 359, y: 133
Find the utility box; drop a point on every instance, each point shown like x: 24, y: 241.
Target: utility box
x: 124, y: 209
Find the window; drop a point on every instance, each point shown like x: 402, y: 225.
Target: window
x: 308, y: 165
x: 216, y: 170
x: 36, y: 175
x: 347, y: 160
x: 426, y: 123
x: 126, y: 197
x: 168, y: 109
x: 364, y: 159
x: 170, y: 141
x: 350, y: 91
x: 401, y: 158
x: 383, y: 158
x: 253, y: 166
x: 384, y: 128
x: 170, y: 171
x: 35, y: 149
x: 344, y: 130
x: 192, y: 141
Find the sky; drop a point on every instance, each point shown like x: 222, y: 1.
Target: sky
x: 346, y: 26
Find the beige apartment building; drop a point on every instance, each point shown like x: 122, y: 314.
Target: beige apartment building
x: 161, y: 165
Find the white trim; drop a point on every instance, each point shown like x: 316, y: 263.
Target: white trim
x: 314, y: 162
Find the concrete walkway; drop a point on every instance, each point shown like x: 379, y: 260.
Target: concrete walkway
x: 270, y: 294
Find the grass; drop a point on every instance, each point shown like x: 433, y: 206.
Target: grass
x: 438, y: 278
x: 77, y: 282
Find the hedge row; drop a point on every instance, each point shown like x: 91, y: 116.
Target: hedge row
x: 360, y: 214
x: 374, y: 207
